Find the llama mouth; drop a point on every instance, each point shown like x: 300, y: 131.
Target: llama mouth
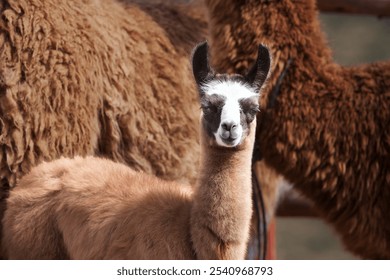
x: 231, y: 142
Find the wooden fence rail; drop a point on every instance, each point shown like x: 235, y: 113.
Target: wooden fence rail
x: 379, y: 8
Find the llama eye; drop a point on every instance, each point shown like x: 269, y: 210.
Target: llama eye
x: 206, y: 110
x: 254, y: 111
x: 251, y: 113
x: 210, y: 109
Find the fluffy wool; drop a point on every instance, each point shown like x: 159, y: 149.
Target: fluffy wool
x: 107, y: 78
x: 328, y: 133
x: 102, y: 74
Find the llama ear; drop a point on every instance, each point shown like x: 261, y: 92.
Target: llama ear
x: 200, y: 63
x: 259, y: 71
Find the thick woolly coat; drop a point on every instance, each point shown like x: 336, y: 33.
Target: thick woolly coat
x: 97, y: 77
x: 106, y: 78
x: 329, y: 131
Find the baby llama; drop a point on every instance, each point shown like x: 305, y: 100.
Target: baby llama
x: 93, y: 208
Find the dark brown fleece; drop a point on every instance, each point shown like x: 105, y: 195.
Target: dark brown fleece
x: 329, y: 132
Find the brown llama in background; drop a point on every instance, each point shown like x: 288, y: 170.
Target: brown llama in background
x: 83, y: 85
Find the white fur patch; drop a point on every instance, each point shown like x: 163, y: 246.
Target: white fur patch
x: 229, y: 89
x: 233, y: 91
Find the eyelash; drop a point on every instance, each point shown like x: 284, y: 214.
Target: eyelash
x: 254, y: 110
x: 210, y: 108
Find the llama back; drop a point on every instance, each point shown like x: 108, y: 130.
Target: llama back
x: 85, y: 205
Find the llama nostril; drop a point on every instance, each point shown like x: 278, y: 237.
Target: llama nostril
x: 225, y: 126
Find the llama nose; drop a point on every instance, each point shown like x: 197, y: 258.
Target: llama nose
x: 229, y: 129
x: 229, y: 126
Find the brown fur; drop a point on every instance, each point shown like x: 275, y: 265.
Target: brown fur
x: 329, y: 131
x: 91, y: 208
x: 104, y: 78
x: 231, y: 187
x: 105, y: 73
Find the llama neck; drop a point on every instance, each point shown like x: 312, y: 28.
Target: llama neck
x: 222, y: 206
x: 290, y: 29
x: 224, y: 168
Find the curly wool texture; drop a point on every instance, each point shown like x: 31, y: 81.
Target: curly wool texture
x: 97, y: 77
x: 104, y: 78
x: 328, y: 133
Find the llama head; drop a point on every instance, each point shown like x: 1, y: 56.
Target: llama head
x: 229, y: 103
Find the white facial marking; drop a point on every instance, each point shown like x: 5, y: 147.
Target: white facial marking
x: 233, y: 91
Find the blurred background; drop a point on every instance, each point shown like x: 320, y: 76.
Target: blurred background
x: 354, y: 40
x: 357, y: 39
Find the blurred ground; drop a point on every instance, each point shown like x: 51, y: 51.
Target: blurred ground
x: 354, y: 40
x: 307, y: 238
